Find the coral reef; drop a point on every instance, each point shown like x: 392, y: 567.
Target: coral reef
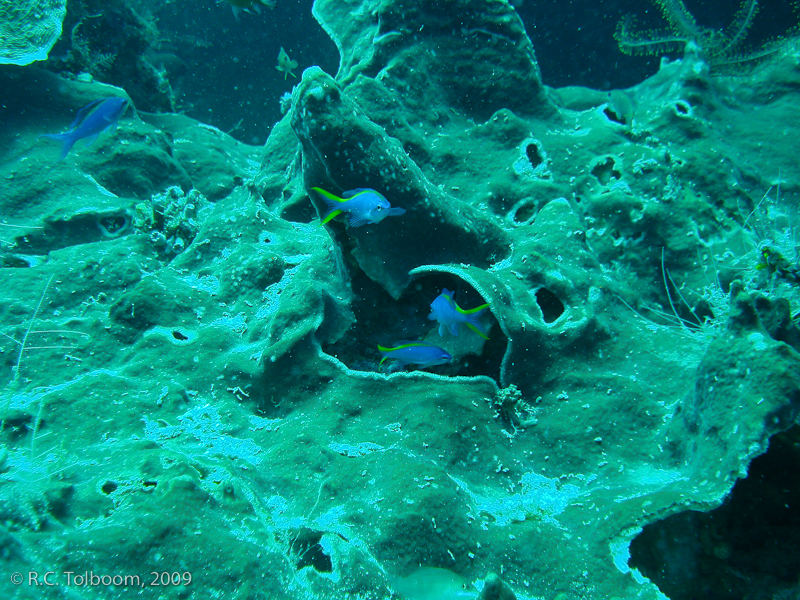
x: 110, y: 40
x: 28, y: 29
x: 221, y: 412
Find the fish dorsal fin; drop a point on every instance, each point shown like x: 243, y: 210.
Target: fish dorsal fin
x: 351, y: 193
x: 408, y: 343
x: 328, y: 195
x: 85, y: 111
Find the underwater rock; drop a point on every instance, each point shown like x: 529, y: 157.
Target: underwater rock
x: 478, y: 63
x: 495, y: 588
x: 543, y: 307
x: 29, y: 29
x: 234, y: 388
x: 747, y: 389
x: 343, y: 148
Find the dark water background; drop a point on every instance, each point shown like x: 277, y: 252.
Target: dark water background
x: 222, y: 70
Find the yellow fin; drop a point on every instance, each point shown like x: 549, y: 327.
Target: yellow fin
x: 328, y: 195
x: 476, y: 330
x: 470, y: 311
x: 332, y: 214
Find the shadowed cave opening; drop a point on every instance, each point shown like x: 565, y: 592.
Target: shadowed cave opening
x: 552, y: 308
x: 746, y: 549
x: 382, y: 320
x: 524, y: 212
x: 605, y: 171
x: 309, y: 552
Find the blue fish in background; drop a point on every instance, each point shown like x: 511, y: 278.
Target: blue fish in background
x: 92, y: 120
x: 421, y: 354
x: 364, y: 206
x: 450, y: 315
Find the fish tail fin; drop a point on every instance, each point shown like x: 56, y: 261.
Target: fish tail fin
x: 473, y: 322
x: 330, y: 215
x: 478, y: 310
x: 383, y: 352
x: 331, y: 201
x: 478, y: 328
x: 67, y: 141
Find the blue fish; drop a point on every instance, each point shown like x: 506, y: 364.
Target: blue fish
x: 364, y: 206
x: 422, y: 354
x: 450, y: 315
x: 92, y: 120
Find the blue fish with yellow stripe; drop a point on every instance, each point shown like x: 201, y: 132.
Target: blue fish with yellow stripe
x: 364, y: 206
x: 452, y: 317
x: 421, y: 354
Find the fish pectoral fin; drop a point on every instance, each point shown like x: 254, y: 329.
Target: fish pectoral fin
x: 359, y: 221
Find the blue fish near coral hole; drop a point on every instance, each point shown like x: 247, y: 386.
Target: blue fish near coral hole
x: 363, y: 205
x: 452, y: 317
x: 92, y: 120
x: 421, y: 354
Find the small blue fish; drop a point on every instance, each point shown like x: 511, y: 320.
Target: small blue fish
x: 422, y: 354
x: 92, y: 120
x: 364, y: 206
x: 449, y: 314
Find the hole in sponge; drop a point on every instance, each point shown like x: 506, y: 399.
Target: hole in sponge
x: 606, y: 170
x: 533, y: 154
x: 309, y: 551
x: 552, y: 308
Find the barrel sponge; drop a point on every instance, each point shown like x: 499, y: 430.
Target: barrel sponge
x: 28, y: 29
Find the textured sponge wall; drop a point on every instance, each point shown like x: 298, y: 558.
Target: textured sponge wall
x: 28, y: 29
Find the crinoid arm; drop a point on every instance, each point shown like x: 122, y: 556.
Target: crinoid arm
x: 633, y: 40
x: 680, y: 19
x: 742, y: 21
